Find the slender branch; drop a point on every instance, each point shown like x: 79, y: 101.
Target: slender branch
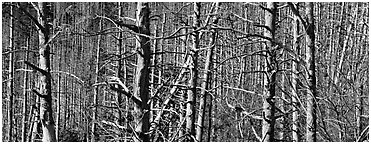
x: 282, y: 6
x: 128, y: 18
x: 255, y: 133
x: 38, y: 93
x: 243, y: 19
x: 26, y: 70
x: 53, y: 37
x: 70, y: 74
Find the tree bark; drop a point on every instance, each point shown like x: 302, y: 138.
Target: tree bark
x: 25, y: 93
x: 11, y: 78
x: 46, y: 112
x: 269, y: 75
x: 58, y: 118
x: 141, y: 87
x: 311, y: 126
x: 192, y: 92
x: 36, y: 120
x: 119, y: 98
x: 206, y: 79
x: 186, y: 60
x: 295, y: 97
x: 96, y: 89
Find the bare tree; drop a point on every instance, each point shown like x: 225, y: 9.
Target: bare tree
x: 192, y: 92
x: 141, y: 86
x: 206, y: 76
x: 96, y: 89
x: 174, y: 69
x: 295, y: 96
x: 311, y: 77
x: 11, y: 78
x: 44, y: 18
x: 269, y: 75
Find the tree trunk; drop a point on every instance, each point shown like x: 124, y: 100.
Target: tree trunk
x: 46, y: 112
x: 269, y: 76
x: 25, y: 93
x: 192, y: 92
x: 295, y: 97
x: 141, y: 87
x: 206, y: 79
x: 119, y: 98
x: 36, y: 120
x: 11, y: 79
x: 357, y: 78
x: 186, y: 60
x: 58, y: 119
x: 96, y: 89
x: 311, y: 125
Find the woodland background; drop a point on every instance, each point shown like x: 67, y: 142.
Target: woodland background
x: 181, y: 71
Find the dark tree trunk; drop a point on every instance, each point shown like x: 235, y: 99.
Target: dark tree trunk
x: 141, y: 87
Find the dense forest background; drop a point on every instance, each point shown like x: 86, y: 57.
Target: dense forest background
x: 182, y: 71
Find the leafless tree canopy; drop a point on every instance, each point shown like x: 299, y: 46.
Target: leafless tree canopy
x: 185, y: 71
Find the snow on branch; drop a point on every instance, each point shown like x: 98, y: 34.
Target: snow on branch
x: 122, y: 89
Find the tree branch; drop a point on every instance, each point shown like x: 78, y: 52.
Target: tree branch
x: 255, y: 133
x: 363, y: 135
x: 36, y: 68
x: 264, y: 8
x: 136, y: 100
x: 70, y: 74
x: 129, y: 26
x: 263, y: 26
x: 39, y: 94
x: 296, y: 12
x: 41, y: 27
x: 243, y: 111
x: 243, y: 19
x: 122, y: 89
